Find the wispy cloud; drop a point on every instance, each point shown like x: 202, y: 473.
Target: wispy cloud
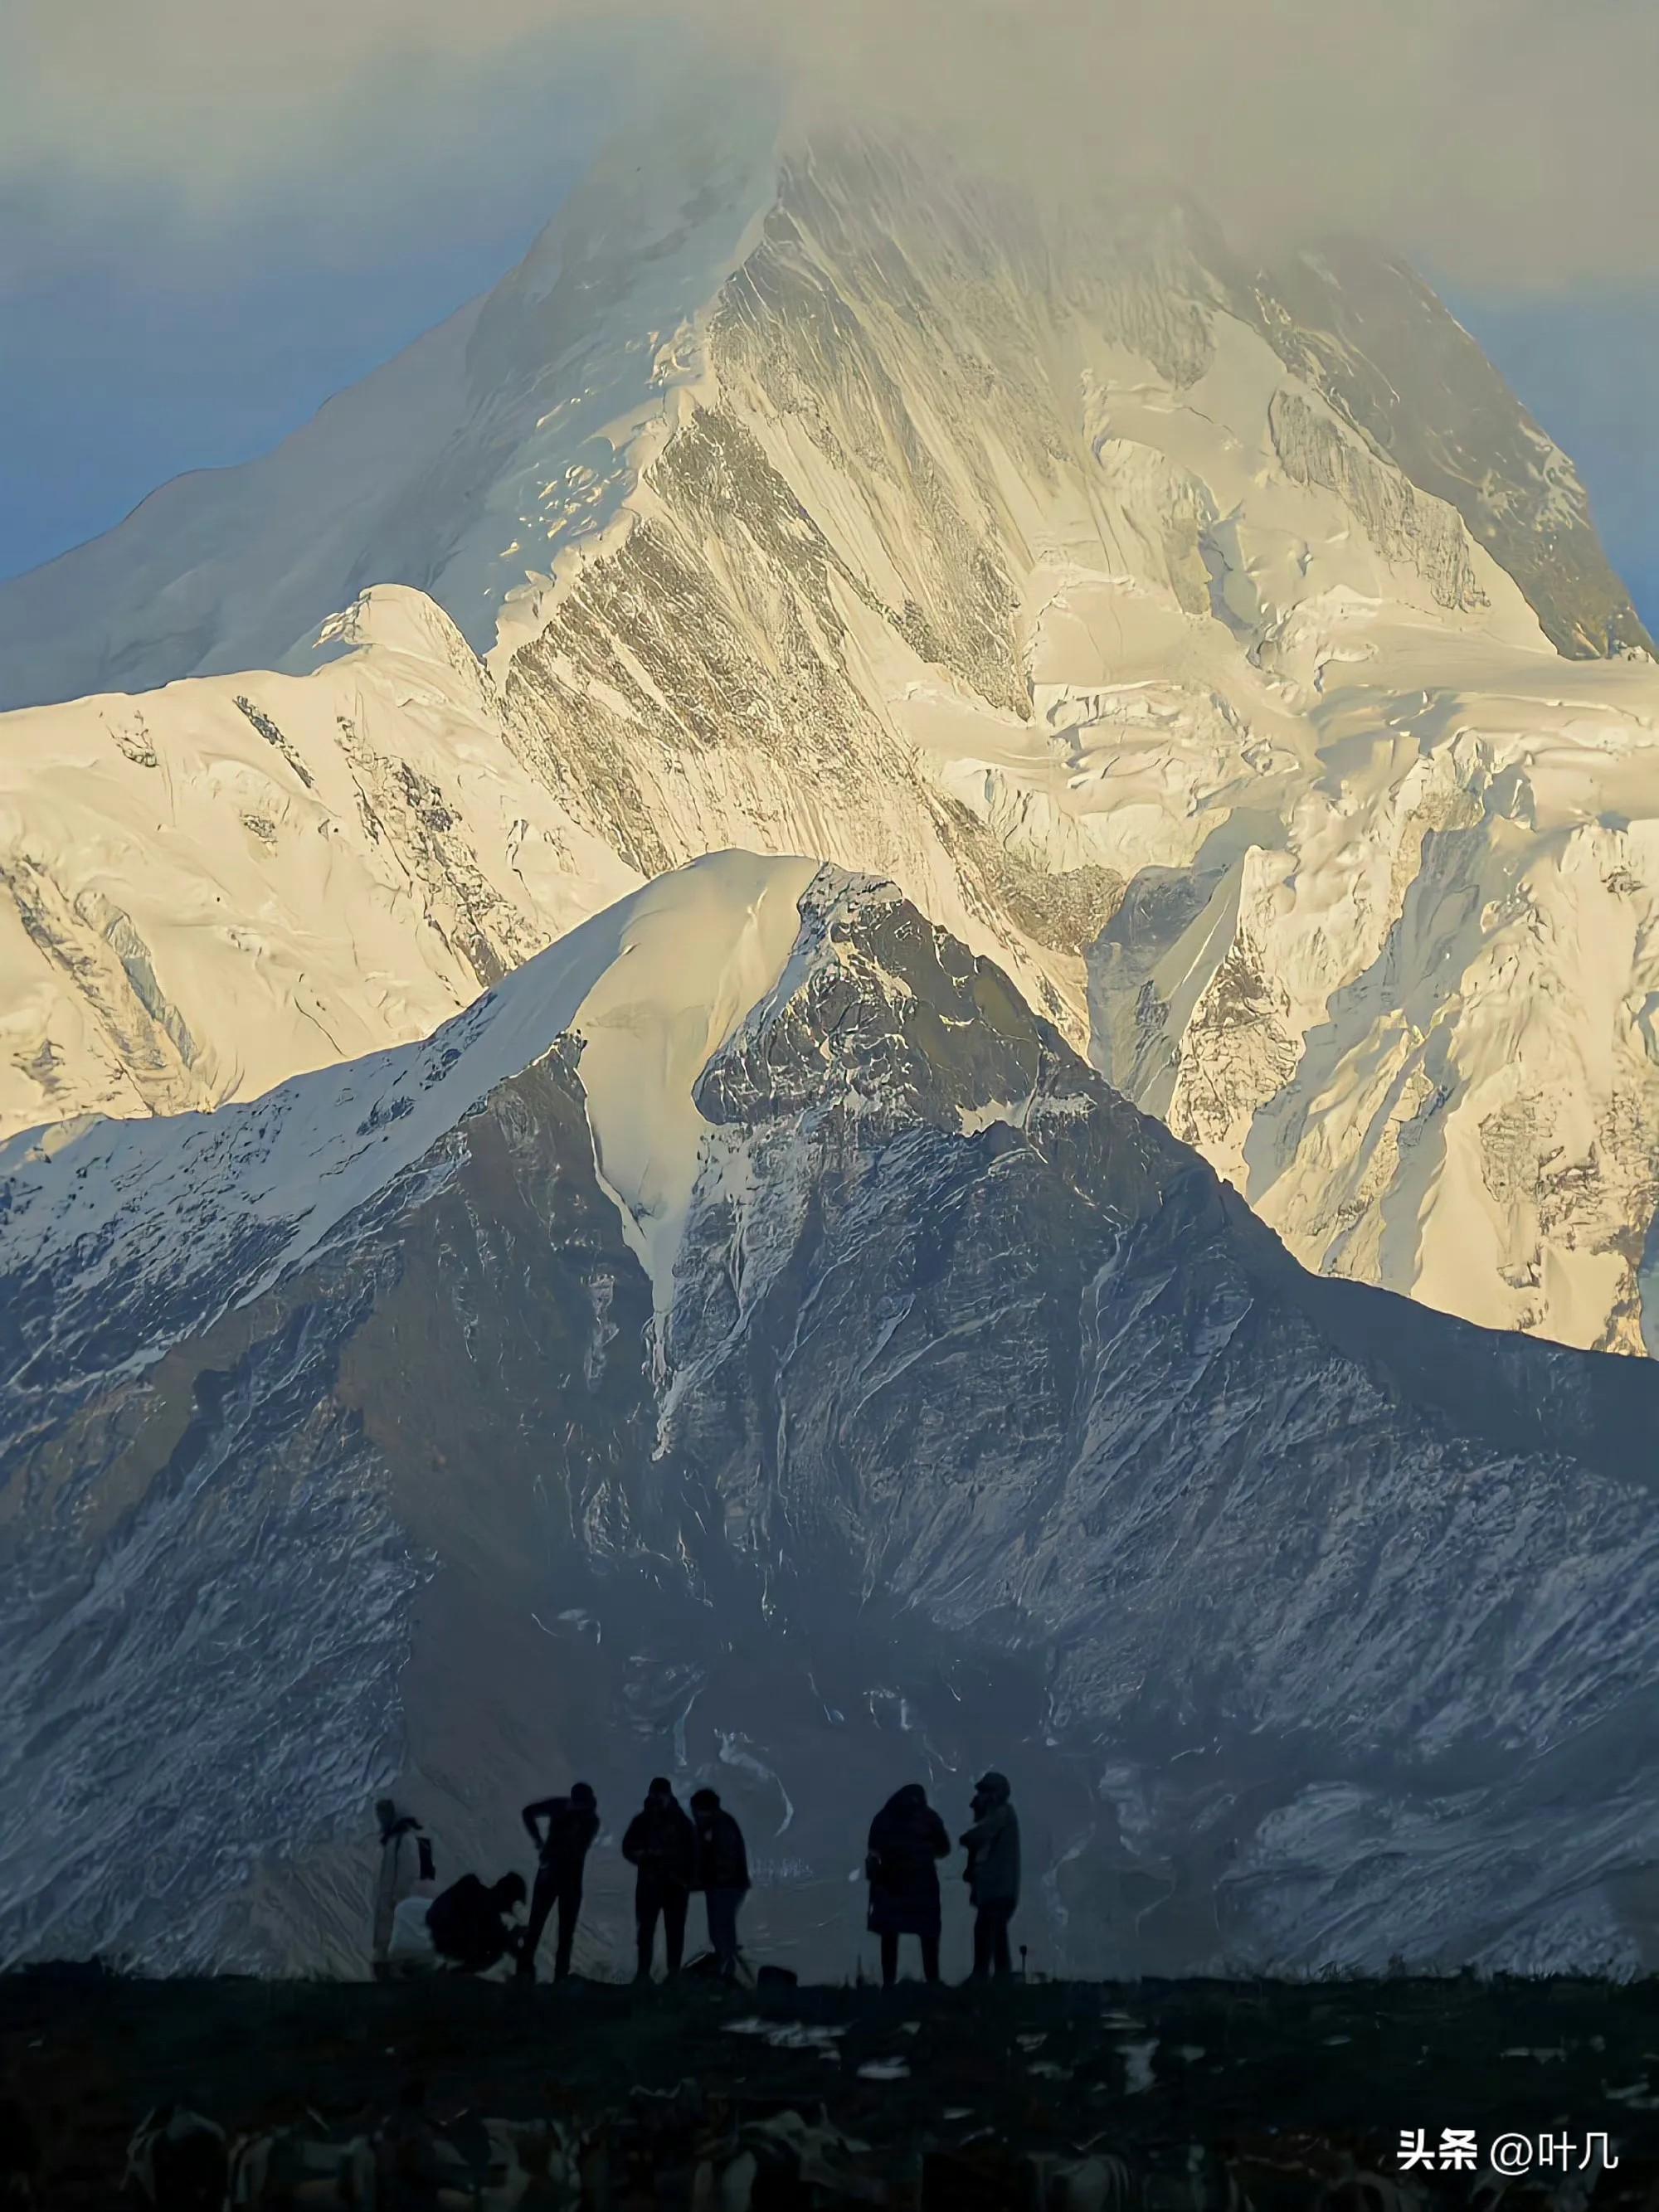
x: 1507, y: 140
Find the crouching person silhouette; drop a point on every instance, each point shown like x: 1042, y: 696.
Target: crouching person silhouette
x: 471, y: 1927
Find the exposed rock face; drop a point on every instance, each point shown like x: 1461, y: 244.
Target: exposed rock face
x: 1189, y: 641
x: 929, y: 1406
x: 1369, y: 334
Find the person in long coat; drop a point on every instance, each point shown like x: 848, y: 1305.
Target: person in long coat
x: 906, y: 1841
x: 406, y: 1870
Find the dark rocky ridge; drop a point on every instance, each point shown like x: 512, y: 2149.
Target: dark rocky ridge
x: 983, y: 1424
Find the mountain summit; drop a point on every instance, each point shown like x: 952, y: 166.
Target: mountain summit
x: 472, y: 466
x: 1223, y: 652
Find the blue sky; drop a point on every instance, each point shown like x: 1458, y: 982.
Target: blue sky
x: 1587, y: 363
x: 147, y: 332
x: 114, y: 377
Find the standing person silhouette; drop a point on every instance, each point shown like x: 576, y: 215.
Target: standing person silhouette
x: 993, y: 1875
x: 722, y: 1875
x: 405, y: 1869
x: 906, y: 1841
x: 571, y: 1824
x: 661, y: 1845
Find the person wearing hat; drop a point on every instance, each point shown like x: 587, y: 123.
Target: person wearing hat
x: 661, y: 1844
x: 571, y: 1824
x: 993, y: 1873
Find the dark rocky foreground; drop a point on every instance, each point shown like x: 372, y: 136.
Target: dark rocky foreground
x: 1179, y: 2094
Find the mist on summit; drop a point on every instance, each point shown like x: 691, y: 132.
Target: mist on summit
x: 1504, y: 139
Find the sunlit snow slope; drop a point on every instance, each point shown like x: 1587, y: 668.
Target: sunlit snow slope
x: 1214, y: 648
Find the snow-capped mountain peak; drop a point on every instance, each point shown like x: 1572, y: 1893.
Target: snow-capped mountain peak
x: 1220, y: 649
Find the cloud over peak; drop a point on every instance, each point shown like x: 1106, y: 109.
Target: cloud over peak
x: 1505, y: 142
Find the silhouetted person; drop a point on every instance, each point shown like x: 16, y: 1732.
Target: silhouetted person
x: 571, y: 1824
x: 906, y: 1840
x: 471, y: 1927
x: 993, y: 1875
x: 661, y: 1844
x: 405, y: 1862
x: 722, y: 1875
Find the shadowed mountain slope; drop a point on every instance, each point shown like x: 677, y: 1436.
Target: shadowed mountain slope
x: 750, y: 1345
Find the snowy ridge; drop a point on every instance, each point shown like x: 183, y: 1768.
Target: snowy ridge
x: 215, y: 887
x: 829, y: 500
x: 504, y: 436
x: 188, y: 1215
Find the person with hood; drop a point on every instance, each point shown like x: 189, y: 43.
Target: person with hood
x: 993, y: 1873
x: 571, y: 1824
x: 660, y: 1844
x: 722, y: 1875
x: 906, y: 1840
x: 405, y: 1862
x: 471, y: 1927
